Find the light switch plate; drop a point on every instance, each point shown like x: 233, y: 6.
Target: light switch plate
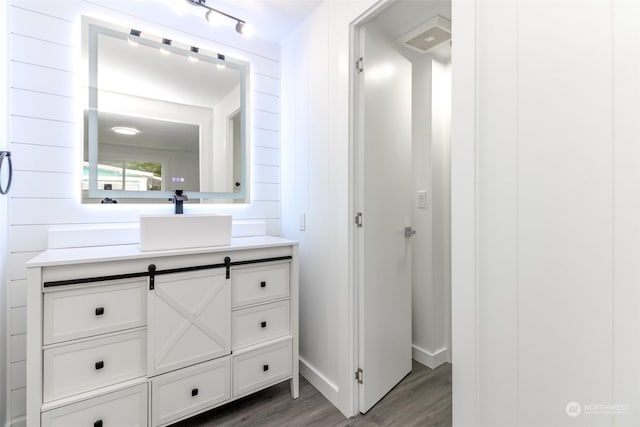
x: 302, y: 222
x: 421, y: 199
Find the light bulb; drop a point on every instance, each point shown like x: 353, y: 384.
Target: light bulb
x: 244, y: 29
x: 214, y: 19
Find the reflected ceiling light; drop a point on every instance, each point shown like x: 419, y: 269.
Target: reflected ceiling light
x: 194, y: 50
x: 222, y: 64
x: 241, y: 25
x: 166, y: 42
x: 133, y: 37
x: 125, y: 130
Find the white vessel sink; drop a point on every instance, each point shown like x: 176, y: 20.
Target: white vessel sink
x: 166, y: 232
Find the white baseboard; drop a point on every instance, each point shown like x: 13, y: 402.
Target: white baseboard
x: 428, y: 359
x: 17, y: 422
x: 321, y: 383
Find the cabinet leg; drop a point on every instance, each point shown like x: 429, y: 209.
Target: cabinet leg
x: 295, y: 387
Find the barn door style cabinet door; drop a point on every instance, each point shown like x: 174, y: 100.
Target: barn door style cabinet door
x: 189, y: 319
x: 122, y: 338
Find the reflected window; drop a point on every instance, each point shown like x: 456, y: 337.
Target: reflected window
x: 126, y: 175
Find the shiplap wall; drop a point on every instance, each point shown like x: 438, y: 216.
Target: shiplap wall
x: 45, y: 101
x: 546, y: 97
x: 3, y: 214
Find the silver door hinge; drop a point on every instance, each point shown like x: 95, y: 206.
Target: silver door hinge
x: 359, y: 219
x: 359, y: 376
x: 360, y: 64
x: 408, y: 232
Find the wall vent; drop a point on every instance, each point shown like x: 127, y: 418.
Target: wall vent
x: 427, y: 36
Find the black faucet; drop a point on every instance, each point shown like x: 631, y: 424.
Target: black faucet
x: 178, y: 199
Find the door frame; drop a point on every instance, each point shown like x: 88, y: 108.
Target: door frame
x: 464, y: 205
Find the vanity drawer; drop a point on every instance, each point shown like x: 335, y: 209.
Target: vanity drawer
x: 87, y: 365
x: 124, y: 408
x: 260, y: 323
x: 93, y: 310
x: 252, y: 285
x: 260, y: 368
x: 191, y: 390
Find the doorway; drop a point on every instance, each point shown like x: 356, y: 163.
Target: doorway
x: 401, y: 127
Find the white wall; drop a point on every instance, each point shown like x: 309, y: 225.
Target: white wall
x: 546, y: 295
x: 45, y: 133
x: 421, y: 292
x: 431, y: 110
x: 315, y: 167
x: 441, y: 173
x: 544, y: 208
x: 4, y: 87
x: 316, y: 178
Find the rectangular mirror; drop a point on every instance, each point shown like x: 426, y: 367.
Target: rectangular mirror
x: 163, y: 116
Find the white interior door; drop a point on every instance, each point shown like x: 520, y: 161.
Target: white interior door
x: 384, y: 173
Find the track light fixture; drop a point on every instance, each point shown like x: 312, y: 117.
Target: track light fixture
x: 241, y: 25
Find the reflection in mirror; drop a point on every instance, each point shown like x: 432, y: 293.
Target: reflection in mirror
x: 141, y: 154
x: 163, y: 117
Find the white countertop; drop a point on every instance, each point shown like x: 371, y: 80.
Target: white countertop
x: 53, y: 257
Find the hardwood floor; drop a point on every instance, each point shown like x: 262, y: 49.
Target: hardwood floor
x: 423, y: 398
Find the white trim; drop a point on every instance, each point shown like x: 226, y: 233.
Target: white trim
x: 323, y: 384
x: 464, y: 202
x: 428, y: 359
x: 17, y: 422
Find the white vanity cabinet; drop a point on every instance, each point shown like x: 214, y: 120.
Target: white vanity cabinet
x: 117, y: 337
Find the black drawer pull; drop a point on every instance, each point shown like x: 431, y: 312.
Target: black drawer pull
x: 99, y: 311
x: 97, y: 423
x: 99, y: 364
x: 263, y: 284
x: 194, y: 392
x: 265, y: 368
x: 263, y: 324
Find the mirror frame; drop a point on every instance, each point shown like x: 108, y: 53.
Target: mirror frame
x: 94, y: 28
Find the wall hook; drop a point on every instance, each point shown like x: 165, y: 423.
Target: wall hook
x: 6, y: 155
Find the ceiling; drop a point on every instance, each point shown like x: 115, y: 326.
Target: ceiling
x: 154, y: 134
x: 273, y: 20
x: 405, y: 15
